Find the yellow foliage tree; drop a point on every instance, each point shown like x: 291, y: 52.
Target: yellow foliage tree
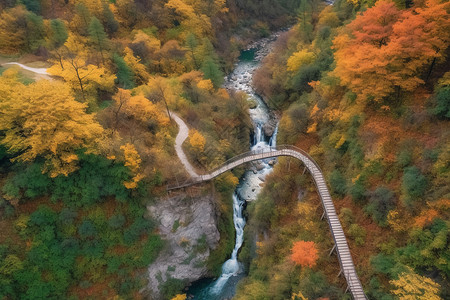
x: 139, y: 70
x: 298, y: 296
x: 139, y: 107
x: 94, y: 6
x: 164, y: 90
x: 179, y: 297
x: 12, y: 36
x: 328, y: 17
x: 206, y: 85
x: 43, y: 119
x: 83, y: 77
x: 190, y: 18
x: 399, y: 221
x: 150, y: 42
x: 300, y: 58
x: 133, y: 162
x: 197, y: 140
x: 411, y: 286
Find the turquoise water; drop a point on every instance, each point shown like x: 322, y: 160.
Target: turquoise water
x: 247, y: 55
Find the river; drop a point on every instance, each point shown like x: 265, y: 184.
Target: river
x: 224, y: 287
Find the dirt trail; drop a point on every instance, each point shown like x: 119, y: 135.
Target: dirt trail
x: 183, y: 133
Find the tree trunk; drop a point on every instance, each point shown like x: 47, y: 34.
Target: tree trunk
x: 430, y: 70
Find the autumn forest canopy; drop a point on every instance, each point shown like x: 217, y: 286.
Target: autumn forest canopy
x: 361, y: 85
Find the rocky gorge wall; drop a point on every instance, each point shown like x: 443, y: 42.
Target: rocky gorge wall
x: 188, y: 225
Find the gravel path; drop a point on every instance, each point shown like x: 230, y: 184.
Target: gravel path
x: 41, y: 71
x: 183, y: 133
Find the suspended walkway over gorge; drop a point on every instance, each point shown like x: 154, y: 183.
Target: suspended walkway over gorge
x: 340, y: 242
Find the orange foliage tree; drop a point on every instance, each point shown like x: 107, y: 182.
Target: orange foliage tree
x: 304, y: 254
x: 385, y: 50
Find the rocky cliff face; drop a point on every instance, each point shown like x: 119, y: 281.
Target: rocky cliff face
x: 189, y: 227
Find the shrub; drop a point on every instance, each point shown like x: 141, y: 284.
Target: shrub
x: 150, y: 250
x: 30, y: 180
x: 67, y: 216
x: 305, y: 75
x: 414, y: 185
x: 338, y: 183
x: 139, y: 227
x: 442, y: 108
x: 381, y: 201
x: 43, y: 216
x: 87, y: 230
x: 358, y: 191
x: 96, y: 179
x: 171, y: 287
x: 358, y: 234
x: 346, y: 216
x: 116, y: 221
x: 404, y: 158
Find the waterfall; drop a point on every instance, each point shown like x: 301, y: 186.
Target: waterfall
x: 231, y: 267
x: 250, y: 185
x: 273, y: 138
x: 259, y: 136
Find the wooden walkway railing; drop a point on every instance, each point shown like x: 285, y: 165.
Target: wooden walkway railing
x: 340, y: 242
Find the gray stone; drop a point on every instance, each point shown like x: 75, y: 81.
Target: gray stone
x: 269, y: 127
x: 196, y: 217
x: 259, y: 167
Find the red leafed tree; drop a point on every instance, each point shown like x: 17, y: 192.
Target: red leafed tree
x: 374, y: 26
x: 304, y: 253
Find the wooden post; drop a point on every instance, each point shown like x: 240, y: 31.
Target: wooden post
x: 332, y: 249
x: 340, y: 272
x: 304, y: 170
x: 323, y: 215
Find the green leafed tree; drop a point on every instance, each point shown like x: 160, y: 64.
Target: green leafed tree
x: 32, y: 5
x: 212, y: 71
x: 58, y: 34
x: 414, y: 185
x: 125, y: 77
x: 111, y: 24
x: 97, y: 36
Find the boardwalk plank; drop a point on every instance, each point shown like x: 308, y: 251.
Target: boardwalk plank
x: 337, y: 232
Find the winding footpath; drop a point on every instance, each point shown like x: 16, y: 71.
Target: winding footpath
x: 40, y: 71
x: 182, y: 135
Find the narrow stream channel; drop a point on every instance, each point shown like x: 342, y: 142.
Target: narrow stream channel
x: 250, y: 184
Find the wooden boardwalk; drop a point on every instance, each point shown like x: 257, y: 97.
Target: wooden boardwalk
x: 340, y: 242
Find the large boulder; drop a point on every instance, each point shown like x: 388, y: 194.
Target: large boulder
x: 189, y: 227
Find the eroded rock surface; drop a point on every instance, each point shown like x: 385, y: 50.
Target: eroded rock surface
x: 189, y: 227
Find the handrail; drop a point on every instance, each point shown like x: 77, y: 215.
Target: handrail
x: 200, y: 178
x: 343, y: 252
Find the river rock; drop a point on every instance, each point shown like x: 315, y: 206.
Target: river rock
x: 259, y: 166
x: 272, y: 162
x: 252, y: 104
x: 182, y: 223
x: 269, y: 127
